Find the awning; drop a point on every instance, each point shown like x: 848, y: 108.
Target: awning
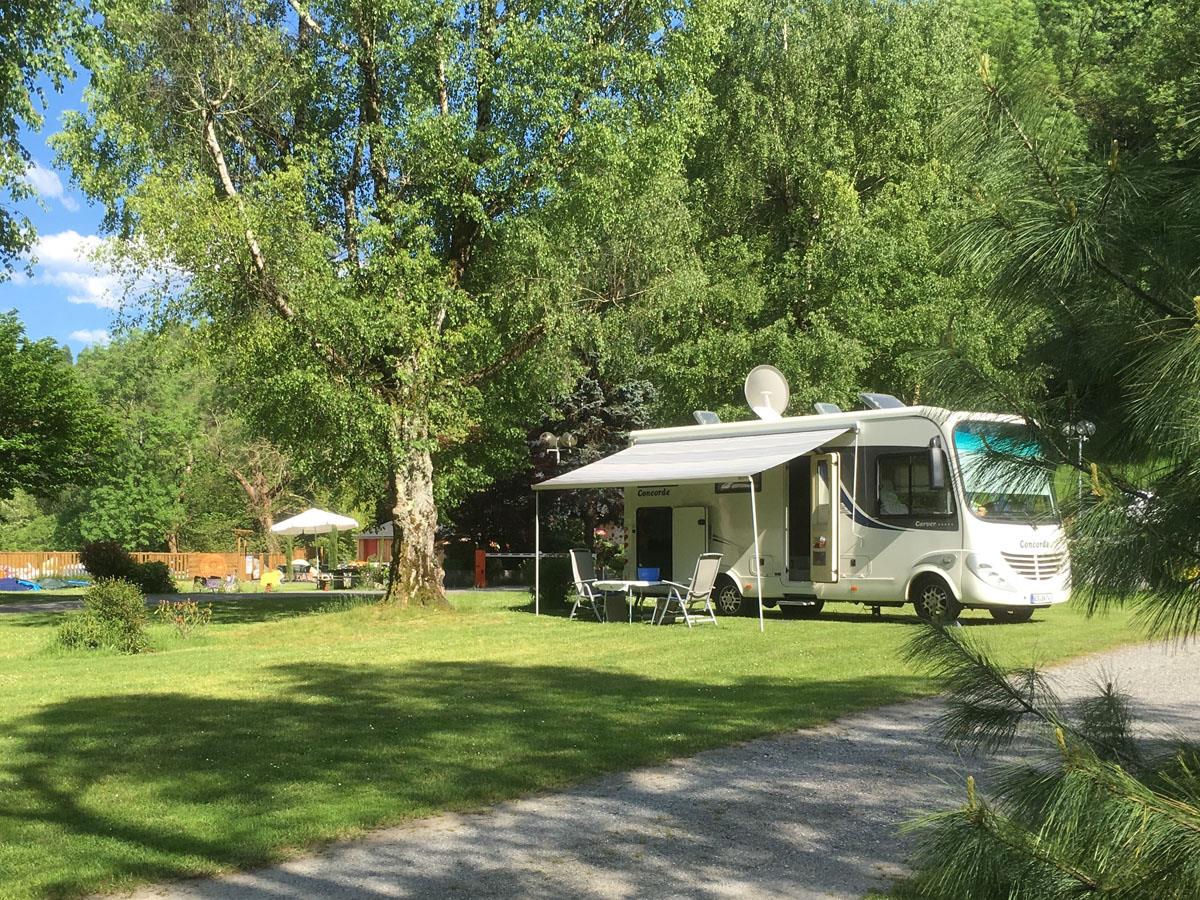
x: 698, y: 459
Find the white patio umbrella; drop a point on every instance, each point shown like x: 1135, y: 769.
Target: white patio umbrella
x: 314, y: 521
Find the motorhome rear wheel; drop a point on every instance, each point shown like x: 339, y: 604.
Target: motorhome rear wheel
x: 729, y: 599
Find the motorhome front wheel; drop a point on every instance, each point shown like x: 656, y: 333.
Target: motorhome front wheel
x: 933, y: 601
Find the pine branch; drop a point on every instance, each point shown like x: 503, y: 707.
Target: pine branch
x: 1068, y: 206
x: 985, y: 707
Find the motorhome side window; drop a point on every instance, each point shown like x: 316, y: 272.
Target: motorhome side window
x: 903, y: 489
x: 738, y: 487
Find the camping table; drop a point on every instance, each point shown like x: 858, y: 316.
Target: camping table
x: 628, y: 588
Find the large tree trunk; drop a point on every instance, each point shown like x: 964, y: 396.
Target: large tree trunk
x: 415, y: 576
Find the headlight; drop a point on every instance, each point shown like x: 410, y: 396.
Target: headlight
x: 987, y: 572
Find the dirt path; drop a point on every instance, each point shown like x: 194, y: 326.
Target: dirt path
x: 810, y: 814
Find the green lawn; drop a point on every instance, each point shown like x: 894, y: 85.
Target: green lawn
x: 186, y: 589
x: 285, y: 726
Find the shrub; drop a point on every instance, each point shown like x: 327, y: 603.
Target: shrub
x: 114, y: 615
x: 557, y: 581
x: 82, y: 631
x: 106, y: 559
x: 186, y: 615
x: 152, y: 578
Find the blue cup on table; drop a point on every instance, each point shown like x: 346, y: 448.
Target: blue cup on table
x: 648, y: 573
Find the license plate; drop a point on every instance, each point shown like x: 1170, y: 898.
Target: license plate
x: 1039, y: 598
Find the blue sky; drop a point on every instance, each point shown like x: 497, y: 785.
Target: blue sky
x: 69, y: 297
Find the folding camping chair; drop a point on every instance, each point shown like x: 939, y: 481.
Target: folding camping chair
x: 700, y: 591
x: 583, y: 570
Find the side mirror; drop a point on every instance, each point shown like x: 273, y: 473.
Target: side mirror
x: 937, y: 464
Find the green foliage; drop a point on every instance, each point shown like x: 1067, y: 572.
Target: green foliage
x: 80, y: 631
x: 1083, y: 219
x: 113, y: 617
x: 153, y: 577
x: 35, y: 41
x: 1087, y: 811
x: 26, y: 524
x: 186, y: 616
x: 817, y: 200
x: 109, y: 560
x: 182, y: 471
x: 557, y: 582
x: 106, y: 559
x: 160, y: 397
x: 396, y: 246
x: 54, y: 432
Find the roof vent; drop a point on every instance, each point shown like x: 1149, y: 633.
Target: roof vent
x: 706, y: 417
x: 881, y: 401
x: 826, y: 409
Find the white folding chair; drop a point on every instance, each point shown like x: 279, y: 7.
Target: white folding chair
x: 699, y: 592
x: 583, y: 569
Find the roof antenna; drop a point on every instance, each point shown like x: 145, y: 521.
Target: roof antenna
x: 767, y: 392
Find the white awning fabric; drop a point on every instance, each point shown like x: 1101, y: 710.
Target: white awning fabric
x: 698, y: 459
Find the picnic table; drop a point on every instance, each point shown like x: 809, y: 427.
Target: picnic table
x: 635, y: 592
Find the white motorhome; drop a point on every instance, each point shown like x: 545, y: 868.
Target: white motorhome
x: 880, y: 507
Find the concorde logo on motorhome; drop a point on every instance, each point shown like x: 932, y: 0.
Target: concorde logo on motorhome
x: 884, y: 506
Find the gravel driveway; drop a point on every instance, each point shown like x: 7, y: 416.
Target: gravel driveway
x: 809, y: 814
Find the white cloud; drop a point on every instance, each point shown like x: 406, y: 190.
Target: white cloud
x: 91, y: 336
x: 70, y: 260
x: 48, y: 185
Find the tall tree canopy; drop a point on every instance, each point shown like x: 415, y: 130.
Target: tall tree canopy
x: 54, y: 431
x: 34, y: 40
x: 386, y: 206
x: 817, y: 194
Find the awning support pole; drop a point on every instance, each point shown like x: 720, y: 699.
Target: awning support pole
x: 757, y: 555
x: 537, y: 553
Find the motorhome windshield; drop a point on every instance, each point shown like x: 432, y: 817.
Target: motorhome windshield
x: 1004, y: 472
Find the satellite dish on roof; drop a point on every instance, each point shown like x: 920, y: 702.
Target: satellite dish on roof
x: 767, y: 392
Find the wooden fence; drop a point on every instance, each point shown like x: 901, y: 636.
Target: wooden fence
x: 182, y: 565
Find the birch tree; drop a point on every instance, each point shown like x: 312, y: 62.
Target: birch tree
x: 385, y: 207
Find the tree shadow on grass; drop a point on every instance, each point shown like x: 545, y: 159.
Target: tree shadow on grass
x: 135, y: 788
x: 33, y: 620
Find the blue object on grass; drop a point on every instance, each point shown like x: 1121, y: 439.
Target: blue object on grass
x: 648, y: 573
x: 75, y: 582
x: 14, y: 584
x: 29, y: 585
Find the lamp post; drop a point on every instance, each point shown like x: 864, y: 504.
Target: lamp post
x: 1079, y: 432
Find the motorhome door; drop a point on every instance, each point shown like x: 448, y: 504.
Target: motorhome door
x: 689, y: 538
x: 823, y: 555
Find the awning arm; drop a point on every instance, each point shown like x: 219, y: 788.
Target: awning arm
x: 757, y: 555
